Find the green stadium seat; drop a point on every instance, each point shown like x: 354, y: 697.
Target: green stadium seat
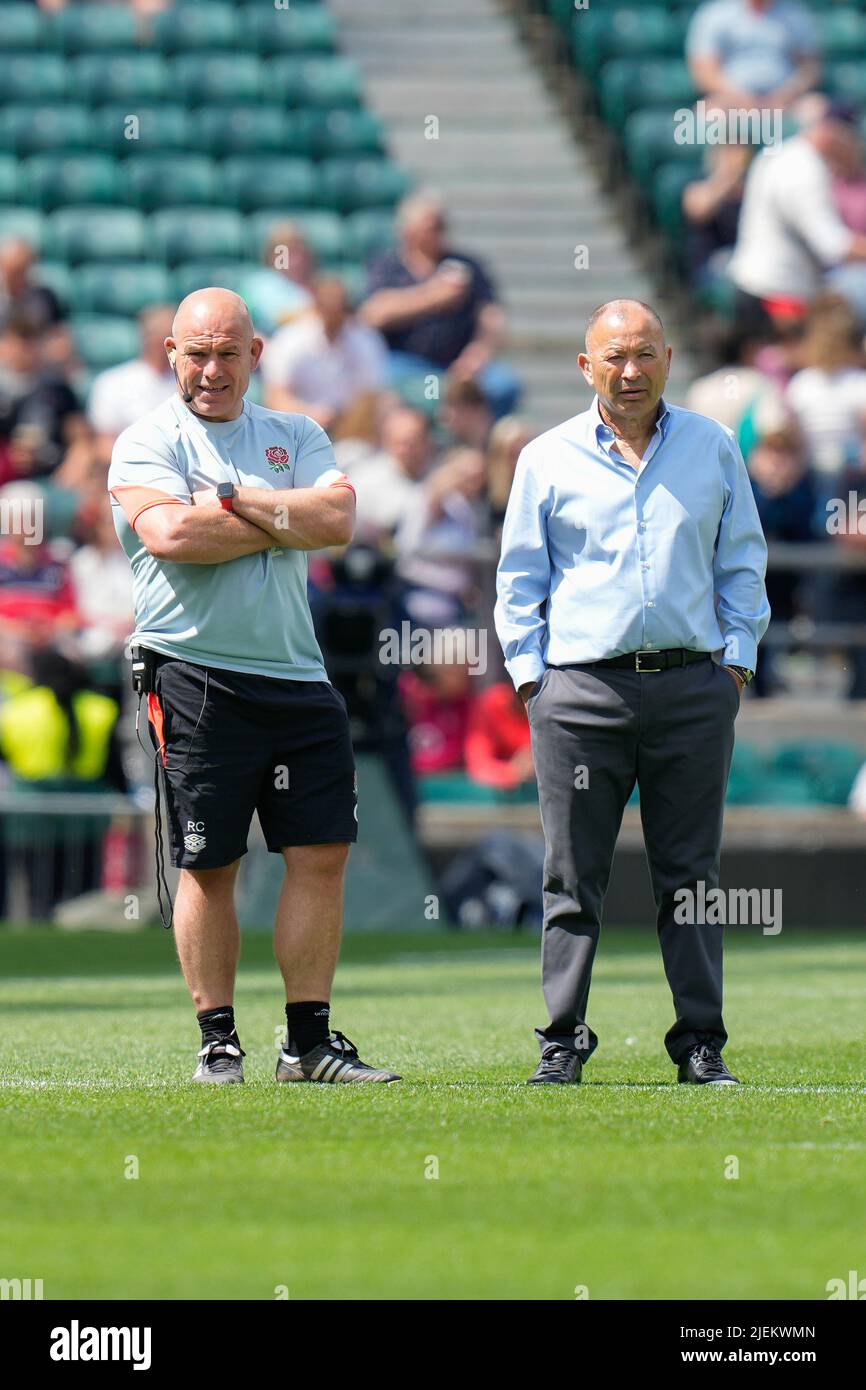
x: 627, y: 86
x: 217, y: 233
x: 121, y: 289
x: 344, y: 132
x: 34, y: 77
x: 349, y: 184
x: 667, y: 196
x: 185, y: 29
x: 198, y: 77
x: 149, y: 128
x: 30, y: 129
x: 847, y: 80
x: 311, y: 30
x: 26, y: 223
x: 354, y: 277
x: 626, y: 33
x: 94, y: 234
x: 842, y: 32
x: 323, y: 230
x: 157, y: 181
x: 252, y: 181
x: 87, y: 28
x: 53, y: 180
x: 828, y: 768
x: 648, y: 140
x: 370, y: 232
x: 126, y: 77
x: 9, y: 179
x: 59, y: 278
x: 254, y: 130
x: 105, y: 340
x: 23, y: 28
x: 322, y: 82
x: 198, y: 275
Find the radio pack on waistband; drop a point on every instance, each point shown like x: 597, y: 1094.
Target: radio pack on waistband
x: 143, y: 670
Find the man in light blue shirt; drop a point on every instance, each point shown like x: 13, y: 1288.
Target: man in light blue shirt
x: 631, y: 553
x: 747, y: 52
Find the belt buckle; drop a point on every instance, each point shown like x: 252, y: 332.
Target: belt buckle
x: 647, y: 670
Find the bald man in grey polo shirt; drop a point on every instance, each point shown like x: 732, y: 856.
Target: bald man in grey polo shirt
x: 217, y: 503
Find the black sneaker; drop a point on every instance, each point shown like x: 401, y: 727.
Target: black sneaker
x: 334, y: 1060
x: 560, y: 1065
x: 220, y: 1061
x: 703, y: 1066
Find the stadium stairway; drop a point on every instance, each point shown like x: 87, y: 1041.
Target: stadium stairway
x: 521, y: 194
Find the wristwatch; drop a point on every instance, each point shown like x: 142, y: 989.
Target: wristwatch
x: 745, y: 675
x: 226, y: 496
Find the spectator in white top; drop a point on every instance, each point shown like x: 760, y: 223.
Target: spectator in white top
x: 320, y: 365
x: 102, y: 587
x: 121, y: 395
x: 388, y: 486
x: 790, y: 231
x: 829, y: 395
x: 435, y: 541
x: 754, y: 52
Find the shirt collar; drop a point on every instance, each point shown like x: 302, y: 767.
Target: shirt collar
x: 603, y: 432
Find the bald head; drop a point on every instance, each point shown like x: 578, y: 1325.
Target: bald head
x: 626, y: 362
x: 213, y: 350
x: 620, y: 314
x: 213, y: 308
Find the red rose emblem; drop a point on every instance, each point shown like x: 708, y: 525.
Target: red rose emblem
x: 277, y: 454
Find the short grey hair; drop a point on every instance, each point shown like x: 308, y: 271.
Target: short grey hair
x: 603, y: 309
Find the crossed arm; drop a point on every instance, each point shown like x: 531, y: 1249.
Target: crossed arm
x: 201, y: 532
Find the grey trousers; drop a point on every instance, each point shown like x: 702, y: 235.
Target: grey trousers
x: 595, y: 731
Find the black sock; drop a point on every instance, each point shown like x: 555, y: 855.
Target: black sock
x: 309, y: 1024
x: 217, y: 1023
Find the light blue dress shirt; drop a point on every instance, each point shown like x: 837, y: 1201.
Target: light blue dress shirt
x: 598, y: 559
x: 758, y: 49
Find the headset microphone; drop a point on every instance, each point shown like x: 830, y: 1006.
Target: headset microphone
x: 187, y: 395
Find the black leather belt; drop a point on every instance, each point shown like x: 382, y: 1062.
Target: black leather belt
x: 645, y: 662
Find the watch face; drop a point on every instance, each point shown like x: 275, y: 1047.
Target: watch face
x: 225, y: 490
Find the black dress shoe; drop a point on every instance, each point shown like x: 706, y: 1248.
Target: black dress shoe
x: 559, y: 1065
x: 703, y: 1066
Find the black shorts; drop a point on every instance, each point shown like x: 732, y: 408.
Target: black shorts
x: 233, y: 744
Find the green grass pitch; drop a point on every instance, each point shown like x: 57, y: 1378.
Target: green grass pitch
x: 618, y: 1185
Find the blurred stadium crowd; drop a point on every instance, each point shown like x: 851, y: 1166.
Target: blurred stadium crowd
x: 387, y: 334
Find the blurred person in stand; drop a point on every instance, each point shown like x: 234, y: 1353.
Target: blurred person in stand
x: 40, y: 414
x: 436, y: 541
x: 437, y: 307
x: 437, y: 699
x: 281, y: 290
x: 466, y: 415
x: 711, y: 206
x: 101, y: 582
x: 508, y: 437
x: 58, y: 734
x: 122, y: 394
x: 499, y: 740
x: 37, y: 602
x: 790, y: 231
x: 728, y: 392
x: 841, y: 594
x: 828, y: 394
x: 784, y: 489
x: 389, y: 483
x: 762, y: 53
x: 320, y: 365
x: 21, y: 296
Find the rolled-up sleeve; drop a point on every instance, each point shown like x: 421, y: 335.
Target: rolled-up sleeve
x: 740, y: 564
x: 523, y: 576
